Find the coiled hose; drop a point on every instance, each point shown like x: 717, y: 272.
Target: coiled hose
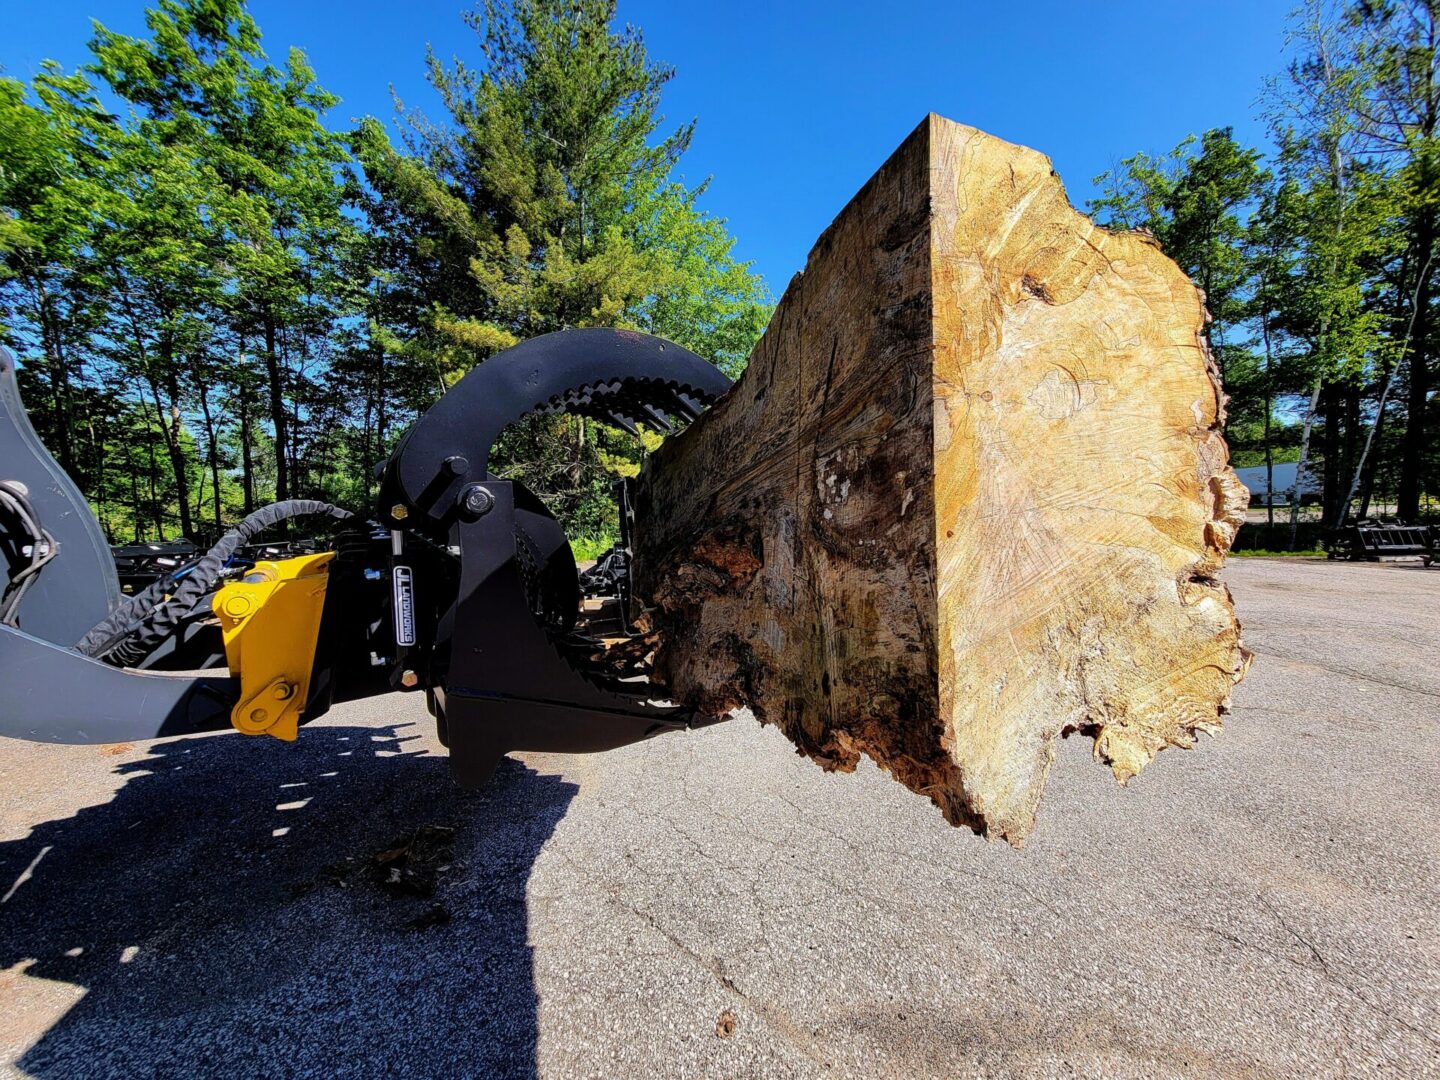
x: 133, y: 629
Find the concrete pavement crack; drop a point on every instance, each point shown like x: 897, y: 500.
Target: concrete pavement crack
x: 1270, y: 654
x: 1335, y: 979
x: 1301, y: 938
x: 777, y: 1018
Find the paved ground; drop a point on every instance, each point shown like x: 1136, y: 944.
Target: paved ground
x: 1266, y: 905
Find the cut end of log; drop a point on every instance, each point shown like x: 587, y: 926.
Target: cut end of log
x: 970, y: 495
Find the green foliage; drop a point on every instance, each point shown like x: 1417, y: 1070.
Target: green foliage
x: 546, y: 200
x: 1193, y: 201
x: 588, y: 548
x: 1317, y: 266
x: 215, y: 304
x: 1334, y: 213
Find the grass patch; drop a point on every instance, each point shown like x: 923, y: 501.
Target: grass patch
x: 1266, y: 553
x: 586, y: 548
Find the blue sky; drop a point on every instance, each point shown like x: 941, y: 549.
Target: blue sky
x: 798, y: 103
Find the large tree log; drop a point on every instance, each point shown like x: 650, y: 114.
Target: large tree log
x: 970, y: 494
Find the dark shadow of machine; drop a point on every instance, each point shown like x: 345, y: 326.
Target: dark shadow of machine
x: 223, y: 914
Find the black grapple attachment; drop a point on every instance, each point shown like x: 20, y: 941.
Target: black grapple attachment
x: 498, y: 648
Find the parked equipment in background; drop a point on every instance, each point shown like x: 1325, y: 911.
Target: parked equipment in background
x: 1370, y: 540
x: 462, y: 586
x: 142, y: 563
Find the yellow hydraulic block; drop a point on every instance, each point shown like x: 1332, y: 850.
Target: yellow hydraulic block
x: 270, y: 621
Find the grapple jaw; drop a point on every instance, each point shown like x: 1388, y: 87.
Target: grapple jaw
x: 505, y: 670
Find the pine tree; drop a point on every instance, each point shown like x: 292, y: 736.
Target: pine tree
x: 548, y: 200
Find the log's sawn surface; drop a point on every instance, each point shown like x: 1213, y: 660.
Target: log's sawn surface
x: 969, y: 495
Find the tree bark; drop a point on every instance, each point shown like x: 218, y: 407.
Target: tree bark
x: 171, y: 424
x: 1302, y: 466
x: 97, y: 455
x: 1332, y: 403
x: 59, y: 372
x: 1269, y: 414
x: 1413, y: 444
x: 1349, y: 462
x: 1364, y: 477
x: 970, y: 495
x: 212, y: 440
x: 247, y: 462
x: 135, y: 509
x: 277, y: 411
x: 157, y: 511
x: 1365, y: 471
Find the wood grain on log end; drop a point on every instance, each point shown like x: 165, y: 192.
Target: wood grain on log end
x: 969, y: 496
x: 1084, y: 497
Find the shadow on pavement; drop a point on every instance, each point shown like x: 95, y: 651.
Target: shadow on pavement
x: 225, y: 915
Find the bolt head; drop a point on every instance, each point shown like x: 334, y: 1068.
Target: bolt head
x: 282, y: 691
x: 399, y: 512
x: 456, y: 465
x: 476, y: 501
x: 409, y: 680
x: 259, y: 716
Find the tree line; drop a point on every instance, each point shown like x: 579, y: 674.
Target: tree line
x: 218, y: 300
x: 1319, y: 262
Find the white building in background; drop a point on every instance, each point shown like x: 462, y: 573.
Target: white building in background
x: 1284, y: 480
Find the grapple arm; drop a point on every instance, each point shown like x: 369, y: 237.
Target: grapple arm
x: 498, y: 673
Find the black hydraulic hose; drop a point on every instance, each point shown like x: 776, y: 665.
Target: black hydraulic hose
x: 133, y: 629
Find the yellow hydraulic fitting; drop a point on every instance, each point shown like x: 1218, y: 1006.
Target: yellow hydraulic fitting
x: 237, y: 606
x: 270, y: 622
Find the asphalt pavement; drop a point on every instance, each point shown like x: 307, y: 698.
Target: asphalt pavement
x: 712, y: 905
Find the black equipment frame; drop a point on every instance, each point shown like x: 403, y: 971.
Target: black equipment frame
x: 1370, y: 541
x: 497, y: 680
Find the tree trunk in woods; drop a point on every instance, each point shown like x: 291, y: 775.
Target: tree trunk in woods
x: 135, y: 513
x: 1332, y: 403
x: 1351, y: 456
x: 970, y: 494
x: 171, y: 423
x: 1269, y: 414
x: 97, y: 454
x: 277, y: 412
x: 156, y: 510
x: 59, y: 372
x: 1364, y: 479
x: 1302, y: 466
x: 1413, y: 445
x: 212, y: 441
x: 247, y: 463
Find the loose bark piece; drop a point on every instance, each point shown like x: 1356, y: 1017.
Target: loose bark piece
x: 970, y: 494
